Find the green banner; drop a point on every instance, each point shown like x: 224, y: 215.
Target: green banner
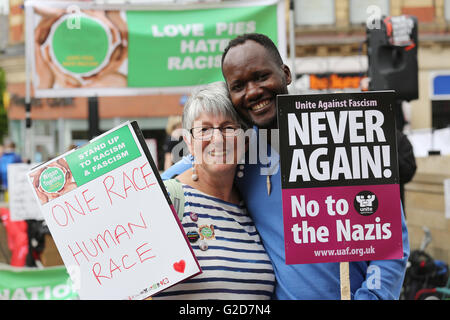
x: 103, y: 155
x: 184, y: 48
x: 51, y: 283
x: 139, y: 49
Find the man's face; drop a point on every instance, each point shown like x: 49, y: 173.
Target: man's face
x: 254, y: 80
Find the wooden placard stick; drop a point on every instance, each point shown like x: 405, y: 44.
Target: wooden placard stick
x: 345, y: 280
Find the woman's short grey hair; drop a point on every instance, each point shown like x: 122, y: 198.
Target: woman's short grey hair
x: 212, y: 99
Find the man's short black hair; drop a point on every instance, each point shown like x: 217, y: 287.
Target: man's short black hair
x: 262, y: 39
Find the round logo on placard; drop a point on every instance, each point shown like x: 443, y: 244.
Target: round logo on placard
x: 366, y: 203
x: 52, y: 179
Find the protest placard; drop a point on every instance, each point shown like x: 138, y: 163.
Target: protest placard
x: 22, y: 204
x: 340, y: 191
x: 111, y: 218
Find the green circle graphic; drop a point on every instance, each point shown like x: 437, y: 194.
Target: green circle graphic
x: 52, y: 179
x: 80, y: 49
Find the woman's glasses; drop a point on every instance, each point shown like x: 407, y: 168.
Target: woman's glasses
x: 206, y: 133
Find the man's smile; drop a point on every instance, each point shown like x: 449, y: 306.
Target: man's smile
x: 260, y: 106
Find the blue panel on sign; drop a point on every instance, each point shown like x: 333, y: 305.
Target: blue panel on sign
x: 441, y: 85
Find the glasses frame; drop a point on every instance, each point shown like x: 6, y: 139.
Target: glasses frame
x: 237, y: 131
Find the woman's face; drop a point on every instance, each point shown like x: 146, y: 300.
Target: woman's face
x: 216, y: 150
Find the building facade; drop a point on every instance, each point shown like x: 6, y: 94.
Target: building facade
x: 331, y: 48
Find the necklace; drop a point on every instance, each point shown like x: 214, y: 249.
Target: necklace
x: 271, y: 169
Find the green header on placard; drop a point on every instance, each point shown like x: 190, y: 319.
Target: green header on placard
x: 103, y: 155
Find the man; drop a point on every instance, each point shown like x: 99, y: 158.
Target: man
x: 406, y: 162
x: 9, y: 156
x: 255, y: 75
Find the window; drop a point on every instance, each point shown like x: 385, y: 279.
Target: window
x: 362, y: 10
x: 447, y: 10
x: 4, y: 11
x: 317, y: 12
x: 4, y: 7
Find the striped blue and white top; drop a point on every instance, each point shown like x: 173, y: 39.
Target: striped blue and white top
x: 235, y: 264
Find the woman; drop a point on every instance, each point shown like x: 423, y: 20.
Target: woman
x: 222, y: 234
